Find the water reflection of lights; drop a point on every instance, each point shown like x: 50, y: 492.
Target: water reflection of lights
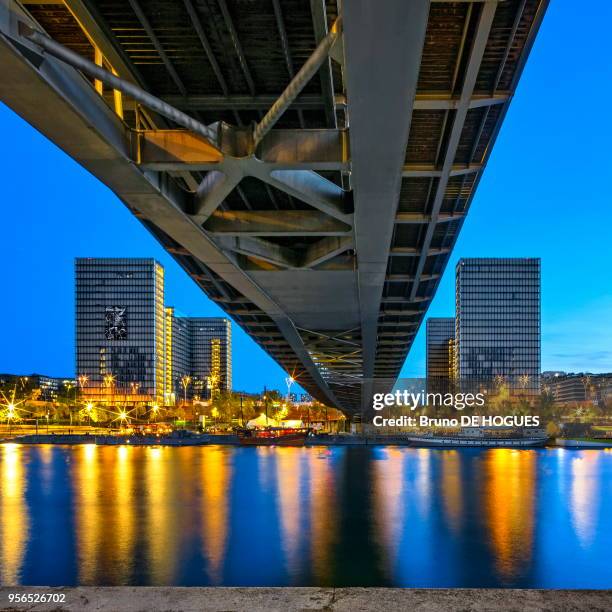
x: 265, y: 465
x: 14, y: 518
x: 89, y: 527
x: 323, y: 514
x: 216, y: 478
x: 289, y: 476
x: 158, y: 518
x: 123, y: 507
x: 388, y: 479
x: 508, y: 491
x: 423, y: 480
x: 167, y: 516
x: 89, y: 450
x: 584, y: 496
x: 451, y: 491
x: 154, y: 452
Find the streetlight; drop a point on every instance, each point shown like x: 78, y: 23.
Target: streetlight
x: 123, y: 418
x: 89, y: 407
x: 82, y: 379
x: 134, y: 386
x: 109, y: 382
x: 212, y: 382
x: 289, y: 381
x: 68, y: 384
x: 185, y: 382
x: 154, y: 410
x: 265, y: 399
x: 10, y: 415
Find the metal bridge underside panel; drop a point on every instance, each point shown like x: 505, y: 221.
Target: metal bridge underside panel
x: 325, y: 236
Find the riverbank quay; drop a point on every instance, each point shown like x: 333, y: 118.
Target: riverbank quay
x: 191, y: 440
x: 584, y: 443
x: 204, y: 439
x: 119, y: 440
x: 294, y: 599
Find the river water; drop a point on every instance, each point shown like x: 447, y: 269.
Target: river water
x: 385, y: 516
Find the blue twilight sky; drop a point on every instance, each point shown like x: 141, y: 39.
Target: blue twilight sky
x: 545, y: 193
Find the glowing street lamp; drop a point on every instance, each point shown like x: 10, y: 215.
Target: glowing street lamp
x: 109, y: 383
x: 123, y: 418
x: 89, y: 409
x: 185, y: 382
x: 109, y: 380
x: 11, y: 414
x: 289, y: 381
x: 8, y: 407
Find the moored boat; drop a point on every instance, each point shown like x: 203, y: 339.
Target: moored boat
x: 474, y: 437
x: 584, y: 442
x: 277, y: 436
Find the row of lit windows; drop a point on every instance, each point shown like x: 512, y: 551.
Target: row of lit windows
x: 134, y: 297
x: 122, y: 279
x: 495, y: 328
x: 498, y: 334
x: 516, y: 280
x: 503, y: 272
x: 473, y: 333
x: 501, y: 312
x: 524, y: 318
x: 495, y: 263
x: 515, y: 367
x: 496, y: 297
x: 493, y: 344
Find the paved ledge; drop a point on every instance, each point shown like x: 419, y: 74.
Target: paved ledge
x: 294, y: 599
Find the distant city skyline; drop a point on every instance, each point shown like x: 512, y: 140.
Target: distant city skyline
x: 534, y: 200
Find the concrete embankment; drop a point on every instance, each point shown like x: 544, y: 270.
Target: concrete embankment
x: 588, y: 443
x: 197, y: 440
x: 232, y: 439
x: 294, y: 599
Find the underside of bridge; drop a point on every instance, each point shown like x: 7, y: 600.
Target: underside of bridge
x: 309, y: 163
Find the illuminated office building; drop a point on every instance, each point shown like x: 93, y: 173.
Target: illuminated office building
x: 497, y: 329
x: 203, y: 352
x: 130, y: 348
x: 120, y: 330
x: 440, y: 348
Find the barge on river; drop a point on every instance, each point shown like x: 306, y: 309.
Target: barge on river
x: 272, y: 436
x: 476, y: 437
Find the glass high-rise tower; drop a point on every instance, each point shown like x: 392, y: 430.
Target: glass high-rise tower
x: 202, y: 351
x: 120, y: 330
x: 440, y: 347
x: 130, y: 348
x: 497, y: 329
